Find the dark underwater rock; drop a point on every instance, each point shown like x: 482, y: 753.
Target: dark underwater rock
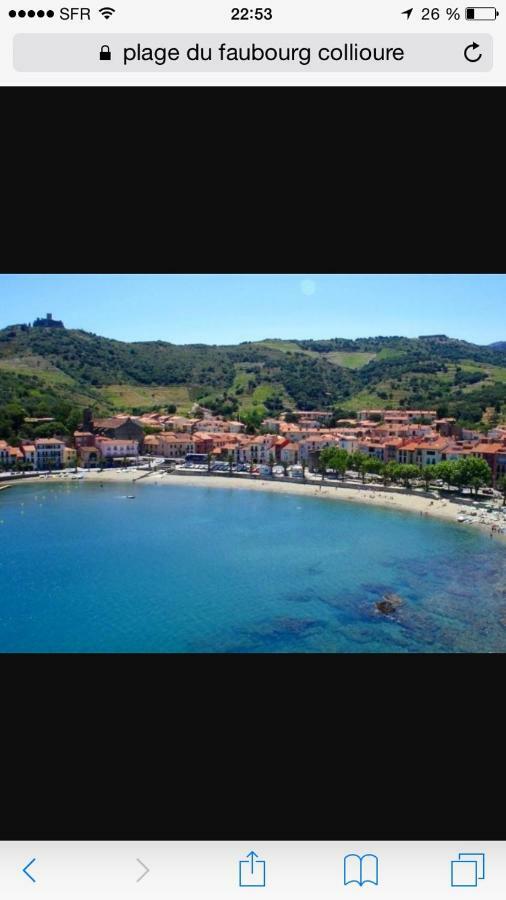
x: 389, y: 603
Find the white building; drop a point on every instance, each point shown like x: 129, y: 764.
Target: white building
x: 116, y: 448
x: 49, y: 453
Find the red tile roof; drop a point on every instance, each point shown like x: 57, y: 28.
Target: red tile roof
x: 413, y: 445
x: 489, y: 448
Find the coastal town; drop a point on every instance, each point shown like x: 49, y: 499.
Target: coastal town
x: 409, y: 458
x: 293, y: 441
x: 225, y: 491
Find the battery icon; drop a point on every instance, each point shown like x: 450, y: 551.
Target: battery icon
x: 481, y: 13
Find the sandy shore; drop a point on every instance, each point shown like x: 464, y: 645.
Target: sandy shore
x: 440, y: 508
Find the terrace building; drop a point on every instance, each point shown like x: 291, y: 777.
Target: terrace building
x: 152, y: 444
x: 89, y: 457
x: 290, y: 453
x: 181, y: 423
x: 9, y: 456
x: 49, y: 453
x: 348, y: 442
x: 372, y: 448
x: 175, y: 446
x: 69, y: 456
x: 271, y: 425
x: 313, y: 415
x: 257, y: 449
x: 291, y: 431
x: 29, y: 454
x: 119, y: 427
x: 83, y: 439
x: 491, y: 453
x: 501, y: 464
x: 204, y: 442
x: 116, y: 448
x: 310, y: 444
x: 227, y: 451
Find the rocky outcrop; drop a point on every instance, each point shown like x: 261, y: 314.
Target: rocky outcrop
x: 389, y: 603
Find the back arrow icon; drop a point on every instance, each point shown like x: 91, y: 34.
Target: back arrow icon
x: 25, y: 870
x: 146, y: 870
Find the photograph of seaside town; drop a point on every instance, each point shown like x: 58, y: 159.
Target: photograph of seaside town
x: 252, y: 464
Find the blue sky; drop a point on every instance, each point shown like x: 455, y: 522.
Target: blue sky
x: 228, y: 309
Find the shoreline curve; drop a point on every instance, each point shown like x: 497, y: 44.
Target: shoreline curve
x: 440, y: 508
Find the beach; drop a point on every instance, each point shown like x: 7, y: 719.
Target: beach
x: 399, y: 499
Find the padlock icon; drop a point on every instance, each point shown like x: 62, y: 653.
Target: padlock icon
x: 105, y: 53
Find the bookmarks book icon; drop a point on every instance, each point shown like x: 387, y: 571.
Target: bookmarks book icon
x: 361, y: 869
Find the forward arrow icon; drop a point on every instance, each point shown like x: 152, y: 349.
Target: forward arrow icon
x: 146, y: 870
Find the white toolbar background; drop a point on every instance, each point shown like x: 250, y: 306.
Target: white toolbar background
x: 209, y: 870
x: 288, y: 17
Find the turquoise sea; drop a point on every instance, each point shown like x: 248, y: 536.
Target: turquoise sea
x: 196, y: 569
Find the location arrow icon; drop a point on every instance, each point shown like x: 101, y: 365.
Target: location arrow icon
x: 146, y: 870
x: 27, y: 873
x: 407, y: 12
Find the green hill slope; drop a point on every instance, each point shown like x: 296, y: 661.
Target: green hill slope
x: 57, y: 372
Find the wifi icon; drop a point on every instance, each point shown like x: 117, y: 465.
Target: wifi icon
x: 107, y: 11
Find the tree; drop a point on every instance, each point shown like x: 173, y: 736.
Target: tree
x: 340, y: 460
x: 209, y: 461
x: 475, y: 473
x: 448, y: 472
x: 49, y: 429
x: 252, y: 418
x: 230, y: 460
x: 73, y: 420
x: 359, y: 462
x: 407, y: 473
x: 501, y: 486
x: 325, y: 460
x: 390, y: 472
x: 15, y: 413
x: 271, y: 462
x: 427, y: 473
x: 374, y: 466
x: 172, y: 408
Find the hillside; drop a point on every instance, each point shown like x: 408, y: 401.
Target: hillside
x: 57, y: 372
